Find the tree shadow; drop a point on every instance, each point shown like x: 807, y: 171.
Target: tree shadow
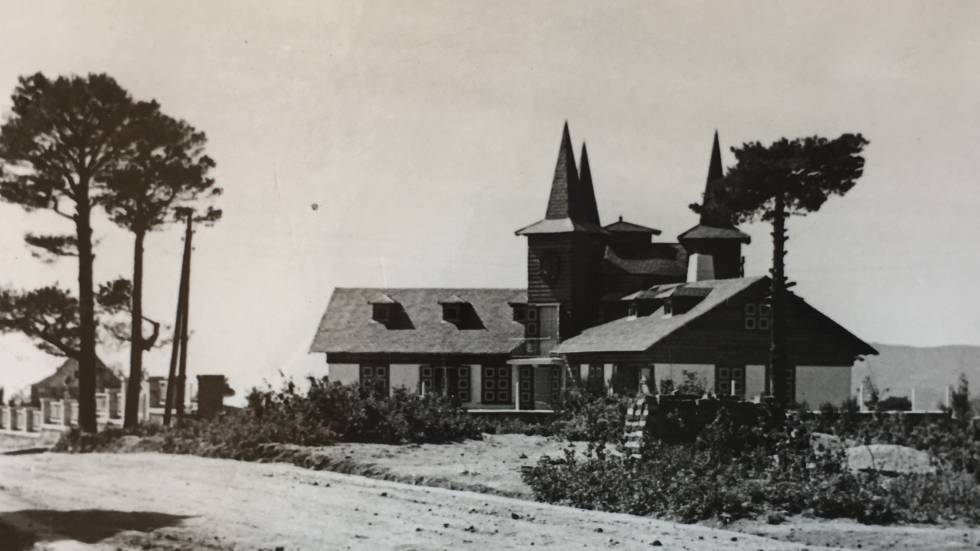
x: 20, y: 530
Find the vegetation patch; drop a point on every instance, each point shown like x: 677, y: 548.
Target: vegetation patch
x: 733, y: 470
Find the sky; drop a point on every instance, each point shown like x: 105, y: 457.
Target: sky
x: 425, y: 133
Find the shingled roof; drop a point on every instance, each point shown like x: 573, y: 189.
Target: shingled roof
x: 347, y: 325
x: 571, y: 203
x: 622, y: 226
x: 702, y: 231
x: 716, y: 218
x: 661, y: 259
x: 641, y: 333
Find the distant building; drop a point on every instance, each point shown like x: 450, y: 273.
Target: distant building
x: 604, y: 305
x: 63, y: 383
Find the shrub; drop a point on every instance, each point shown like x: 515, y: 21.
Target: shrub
x: 735, y: 469
x: 326, y: 413
x: 583, y: 415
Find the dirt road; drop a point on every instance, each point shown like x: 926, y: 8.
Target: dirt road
x: 153, y: 501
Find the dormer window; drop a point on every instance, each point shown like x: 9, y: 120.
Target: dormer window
x: 450, y: 313
x: 388, y: 312
x: 520, y: 312
x: 381, y: 313
x: 459, y: 312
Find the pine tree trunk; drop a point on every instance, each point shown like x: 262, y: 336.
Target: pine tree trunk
x: 777, y: 319
x: 136, y: 337
x: 86, y: 311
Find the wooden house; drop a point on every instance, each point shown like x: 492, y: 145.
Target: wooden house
x: 604, y: 305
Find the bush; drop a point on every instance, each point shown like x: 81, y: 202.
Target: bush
x: 327, y: 413
x: 734, y: 470
x: 583, y: 415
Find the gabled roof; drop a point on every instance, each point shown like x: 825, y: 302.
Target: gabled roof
x: 702, y: 231
x: 622, y: 226
x: 381, y: 298
x: 67, y: 375
x: 347, y: 326
x: 571, y: 204
x: 641, y: 333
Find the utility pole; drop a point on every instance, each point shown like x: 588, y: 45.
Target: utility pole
x: 182, y: 369
x: 174, y: 380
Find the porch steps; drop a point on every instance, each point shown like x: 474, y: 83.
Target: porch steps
x: 636, y: 422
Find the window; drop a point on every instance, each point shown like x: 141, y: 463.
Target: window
x: 520, y: 312
x: 381, y: 312
x: 756, y: 317
x: 667, y: 308
x: 450, y: 313
x: 532, y: 329
x: 451, y: 381
x: 496, y: 385
x: 532, y: 314
x: 374, y: 379
x: 728, y: 376
x: 632, y: 311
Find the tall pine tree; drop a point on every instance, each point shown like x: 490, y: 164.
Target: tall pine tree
x: 771, y: 183
x: 57, y: 146
x: 166, y: 175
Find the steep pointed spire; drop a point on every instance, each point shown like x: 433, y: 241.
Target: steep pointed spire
x: 571, y: 206
x: 716, y: 218
x: 590, y: 210
x: 713, y: 213
x: 563, y: 198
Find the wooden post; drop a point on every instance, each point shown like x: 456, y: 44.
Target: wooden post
x: 178, y: 328
x: 516, y: 386
x: 182, y: 369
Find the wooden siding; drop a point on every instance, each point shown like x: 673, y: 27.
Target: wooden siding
x: 420, y: 359
x: 720, y: 336
x: 577, y: 287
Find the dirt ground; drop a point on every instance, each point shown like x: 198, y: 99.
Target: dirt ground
x: 489, y: 465
x: 237, y: 505
x: 155, y: 501
x: 494, y: 463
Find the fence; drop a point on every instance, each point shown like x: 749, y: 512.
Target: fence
x: 110, y: 404
x: 919, y: 399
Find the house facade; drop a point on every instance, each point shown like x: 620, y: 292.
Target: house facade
x: 604, y: 305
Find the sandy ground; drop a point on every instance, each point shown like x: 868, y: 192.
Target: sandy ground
x: 489, y: 465
x: 155, y: 501
x: 841, y: 533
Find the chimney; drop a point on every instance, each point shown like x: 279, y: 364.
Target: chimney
x: 700, y: 267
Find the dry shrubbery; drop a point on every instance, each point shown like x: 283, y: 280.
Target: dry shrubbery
x: 326, y: 413
x: 734, y: 470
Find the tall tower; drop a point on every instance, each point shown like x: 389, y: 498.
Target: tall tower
x: 715, y: 236
x: 565, y: 252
